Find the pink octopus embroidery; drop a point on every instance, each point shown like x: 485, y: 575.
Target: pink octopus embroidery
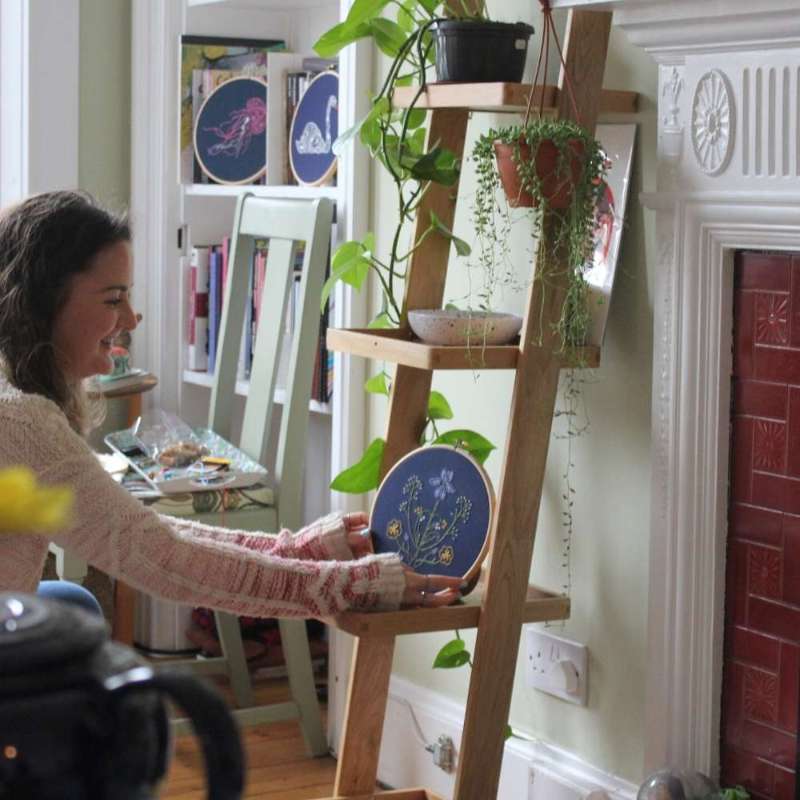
x: 240, y: 127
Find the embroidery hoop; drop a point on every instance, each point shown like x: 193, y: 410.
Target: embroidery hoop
x: 225, y: 85
x: 474, y: 569
x: 331, y: 170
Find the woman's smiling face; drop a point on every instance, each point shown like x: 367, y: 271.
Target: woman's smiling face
x: 97, y: 309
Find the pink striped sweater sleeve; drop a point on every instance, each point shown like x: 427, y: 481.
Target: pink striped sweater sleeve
x: 235, y: 571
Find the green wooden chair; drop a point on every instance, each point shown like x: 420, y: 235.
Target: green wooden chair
x: 284, y: 223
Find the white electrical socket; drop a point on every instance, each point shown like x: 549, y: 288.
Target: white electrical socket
x: 556, y: 666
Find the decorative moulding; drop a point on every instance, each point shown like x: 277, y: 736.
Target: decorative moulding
x: 713, y: 122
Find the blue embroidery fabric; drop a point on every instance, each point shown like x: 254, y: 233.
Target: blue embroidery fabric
x: 434, y: 508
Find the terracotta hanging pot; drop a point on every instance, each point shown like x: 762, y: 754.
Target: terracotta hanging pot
x: 557, y: 180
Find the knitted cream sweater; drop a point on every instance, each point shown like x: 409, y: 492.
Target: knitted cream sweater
x: 309, y: 574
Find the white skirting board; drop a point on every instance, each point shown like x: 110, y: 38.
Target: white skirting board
x: 531, y: 770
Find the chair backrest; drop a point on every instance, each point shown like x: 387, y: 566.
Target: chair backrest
x: 285, y: 224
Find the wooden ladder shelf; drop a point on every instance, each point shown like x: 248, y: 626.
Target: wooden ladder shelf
x: 504, y: 601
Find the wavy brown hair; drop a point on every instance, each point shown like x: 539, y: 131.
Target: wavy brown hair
x: 44, y: 242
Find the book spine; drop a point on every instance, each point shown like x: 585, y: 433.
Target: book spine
x: 198, y: 308
x: 214, y: 306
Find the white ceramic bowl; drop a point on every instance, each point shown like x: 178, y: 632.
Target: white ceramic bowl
x: 474, y: 328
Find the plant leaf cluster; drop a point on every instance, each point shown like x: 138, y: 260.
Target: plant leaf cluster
x: 364, y: 475
x: 397, y: 138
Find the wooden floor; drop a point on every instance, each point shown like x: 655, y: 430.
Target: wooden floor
x: 277, y: 765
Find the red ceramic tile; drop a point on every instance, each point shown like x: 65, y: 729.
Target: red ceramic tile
x: 742, y: 459
x: 769, y: 491
x: 771, y: 745
x: 791, y: 559
x: 769, y: 446
x: 793, y: 431
x: 774, y: 619
x: 760, y: 695
x: 736, y: 583
x: 754, y: 648
x: 783, y: 785
x: 744, y: 314
x: 762, y: 271
x: 755, y: 524
x: 758, y: 399
x: 795, y: 308
x: 772, y: 318
x: 732, y: 701
x: 739, y: 767
x: 788, y: 684
x: 764, y: 570
x: 776, y: 492
x: 776, y: 364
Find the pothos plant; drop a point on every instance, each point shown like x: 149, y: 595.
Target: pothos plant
x: 397, y: 138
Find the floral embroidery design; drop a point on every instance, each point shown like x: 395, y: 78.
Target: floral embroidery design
x: 430, y: 533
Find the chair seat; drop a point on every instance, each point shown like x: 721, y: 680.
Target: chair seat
x: 216, y: 501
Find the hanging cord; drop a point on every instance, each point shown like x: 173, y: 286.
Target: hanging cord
x: 549, y: 30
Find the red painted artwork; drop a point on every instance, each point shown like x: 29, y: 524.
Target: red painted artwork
x: 762, y: 606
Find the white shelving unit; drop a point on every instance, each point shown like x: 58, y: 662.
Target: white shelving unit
x: 169, y: 217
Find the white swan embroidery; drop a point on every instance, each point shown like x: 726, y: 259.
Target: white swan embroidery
x: 311, y: 141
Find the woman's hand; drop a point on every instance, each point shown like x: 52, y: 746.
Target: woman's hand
x: 359, y: 540
x: 430, y: 591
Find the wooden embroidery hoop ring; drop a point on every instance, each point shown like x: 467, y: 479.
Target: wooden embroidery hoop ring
x: 473, y: 572
x: 331, y: 171
x: 255, y: 176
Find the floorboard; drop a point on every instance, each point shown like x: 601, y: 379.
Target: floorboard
x: 277, y: 765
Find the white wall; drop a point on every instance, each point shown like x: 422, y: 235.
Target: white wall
x: 104, y: 160
x: 612, y: 466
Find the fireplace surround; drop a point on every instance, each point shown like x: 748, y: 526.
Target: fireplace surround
x: 728, y: 179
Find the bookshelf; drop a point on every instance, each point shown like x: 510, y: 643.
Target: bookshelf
x: 172, y: 215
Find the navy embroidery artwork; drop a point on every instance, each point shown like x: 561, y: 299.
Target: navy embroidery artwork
x: 314, y: 130
x: 230, y: 134
x: 434, y: 508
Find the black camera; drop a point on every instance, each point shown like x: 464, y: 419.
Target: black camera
x: 83, y: 718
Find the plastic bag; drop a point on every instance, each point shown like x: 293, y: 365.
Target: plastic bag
x: 169, y: 440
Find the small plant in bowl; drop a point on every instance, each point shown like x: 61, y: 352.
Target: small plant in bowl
x: 452, y: 326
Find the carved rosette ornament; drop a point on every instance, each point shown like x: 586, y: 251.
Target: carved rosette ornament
x: 713, y: 122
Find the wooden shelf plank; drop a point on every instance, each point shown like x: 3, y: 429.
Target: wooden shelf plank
x: 540, y: 606
x: 505, y: 97
x: 393, y: 794
x: 400, y: 347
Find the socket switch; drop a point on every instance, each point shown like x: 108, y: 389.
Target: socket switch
x: 557, y: 666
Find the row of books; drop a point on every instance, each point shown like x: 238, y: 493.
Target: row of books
x: 208, y: 274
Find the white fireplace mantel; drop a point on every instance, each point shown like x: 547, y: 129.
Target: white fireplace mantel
x: 671, y: 29
x: 728, y: 178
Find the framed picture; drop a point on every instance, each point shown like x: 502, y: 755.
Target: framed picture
x: 434, y: 509
x: 618, y: 142
x: 314, y: 129
x: 207, y: 61
x: 230, y: 133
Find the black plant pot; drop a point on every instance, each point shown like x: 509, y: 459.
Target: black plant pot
x: 480, y: 52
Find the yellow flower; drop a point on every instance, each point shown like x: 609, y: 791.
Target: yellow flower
x: 394, y: 528
x: 28, y: 508
x: 446, y: 555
